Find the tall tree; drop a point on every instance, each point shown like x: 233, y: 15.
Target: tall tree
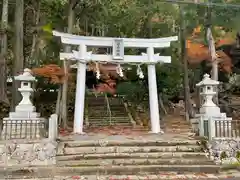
x: 3, y: 52
x: 18, y: 49
x: 212, y: 49
x: 71, y: 6
x: 34, y: 49
x: 188, y: 108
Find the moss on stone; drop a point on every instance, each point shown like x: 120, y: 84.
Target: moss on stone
x: 223, y: 155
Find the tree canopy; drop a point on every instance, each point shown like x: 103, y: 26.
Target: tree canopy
x: 123, y: 18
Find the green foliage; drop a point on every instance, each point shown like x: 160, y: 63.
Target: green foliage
x: 238, y: 155
x: 169, y: 82
x: 47, y: 28
x: 170, y: 78
x: 135, y: 92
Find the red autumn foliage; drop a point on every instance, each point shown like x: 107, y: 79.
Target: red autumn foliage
x: 51, y: 71
x: 197, y: 53
x: 108, y: 87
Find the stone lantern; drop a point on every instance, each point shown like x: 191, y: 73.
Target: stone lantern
x: 209, y: 110
x: 26, y: 79
x: 25, y: 120
x: 25, y: 108
x: 207, y: 91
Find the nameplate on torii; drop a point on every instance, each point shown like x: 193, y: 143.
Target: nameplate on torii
x: 118, y: 49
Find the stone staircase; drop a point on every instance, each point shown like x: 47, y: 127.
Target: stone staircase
x: 176, y: 125
x: 100, y: 115
x: 132, y: 156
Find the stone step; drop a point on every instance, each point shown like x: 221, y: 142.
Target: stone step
x: 104, y: 124
x: 108, y: 117
x: 179, y: 126
x: 127, y: 127
x: 132, y: 169
x: 41, y: 175
x: 98, y: 98
x: 107, y: 121
x: 129, y: 142
x: 50, y: 171
x: 117, y: 107
x: 129, y: 149
x: 105, y: 112
x: 162, y: 155
x: 119, y: 115
x: 125, y: 162
x: 104, y: 109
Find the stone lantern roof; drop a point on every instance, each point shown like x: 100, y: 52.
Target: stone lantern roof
x: 207, y: 81
x: 26, y: 76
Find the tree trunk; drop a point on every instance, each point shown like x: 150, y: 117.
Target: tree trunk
x: 34, y: 50
x: 162, y: 104
x: 58, y: 100
x: 18, y: 50
x: 66, y: 67
x: 188, y: 107
x: 212, y: 49
x: 3, y: 53
x: 149, y: 23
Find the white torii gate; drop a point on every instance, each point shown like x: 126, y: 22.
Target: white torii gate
x: 83, y: 57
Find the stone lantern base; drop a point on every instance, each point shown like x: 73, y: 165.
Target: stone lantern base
x: 23, y: 115
x: 25, y: 108
x: 210, y: 110
x: 23, y: 128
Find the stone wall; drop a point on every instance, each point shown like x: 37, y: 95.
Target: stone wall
x: 23, y: 153
x: 225, y: 151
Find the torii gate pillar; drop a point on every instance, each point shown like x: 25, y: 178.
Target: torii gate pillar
x: 80, y: 92
x: 153, y: 94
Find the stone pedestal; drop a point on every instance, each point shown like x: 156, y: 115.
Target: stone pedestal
x: 19, y: 128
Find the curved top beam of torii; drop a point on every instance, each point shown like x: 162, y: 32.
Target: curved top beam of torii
x: 111, y: 42
x: 108, y: 41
